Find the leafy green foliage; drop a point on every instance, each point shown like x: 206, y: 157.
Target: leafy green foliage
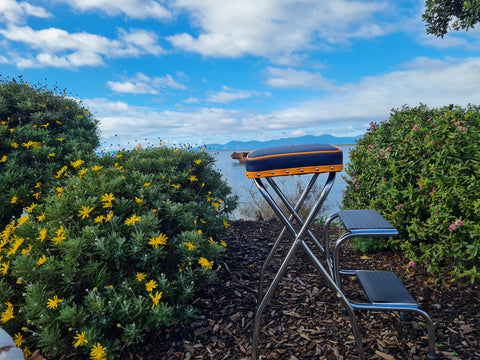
x: 121, y: 246
x: 420, y: 170
x: 112, y: 245
x: 40, y: 132
x: 442, y: 16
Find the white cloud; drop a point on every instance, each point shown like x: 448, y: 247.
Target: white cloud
x: 75, y: 59
x: 191, y: 100
x: 137, y: 9
x: 228, y: 95
x: 138, y: 42
x: 112, y: 108
x: 452, y: 40
x: 290, y: 78
x: 274, y: 28
x: 142, y: 84
x: 59, y: 48
x: 13, y: 12
x: 345, y: 111
x: 122, y: 119
x: 429, y: 81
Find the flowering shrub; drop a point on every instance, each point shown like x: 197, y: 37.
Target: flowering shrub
x: 420, y: 169
x: 116, y: 247
x: 40, y: 133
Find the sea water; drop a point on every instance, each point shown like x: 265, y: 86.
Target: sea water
x: 234, y: 173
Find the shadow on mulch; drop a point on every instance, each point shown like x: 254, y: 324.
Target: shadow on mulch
x: 304, y: 319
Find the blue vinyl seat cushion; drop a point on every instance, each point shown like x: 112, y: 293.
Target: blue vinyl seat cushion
x: 294, y: 160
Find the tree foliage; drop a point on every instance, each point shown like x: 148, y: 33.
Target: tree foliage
x: 442, y: 16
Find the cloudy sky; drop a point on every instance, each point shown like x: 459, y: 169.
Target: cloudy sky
x: 211, y: 71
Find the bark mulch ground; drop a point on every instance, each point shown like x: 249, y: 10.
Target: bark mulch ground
x: 304, y: 319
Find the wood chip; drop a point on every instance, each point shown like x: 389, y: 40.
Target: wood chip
x: 384, y: 356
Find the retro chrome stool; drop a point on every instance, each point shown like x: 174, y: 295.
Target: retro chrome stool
x: 278, y: 161
x: 384, y: 290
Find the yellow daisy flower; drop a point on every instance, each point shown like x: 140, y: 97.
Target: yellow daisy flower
x: 140, y: 276
x: 80, y: 339
x: 189, y: 245
x: 108, y: 197
x: 152, y: 284
x: 156, y: 298
x: 41, y: 260
x: 132, y: 220
x: 205, y: 263
x: 18, y: 340
x: 159, y: 240
x: 85, y: 212
x: 53, y: 303
x: 8, y: 313
x: 98, y: 352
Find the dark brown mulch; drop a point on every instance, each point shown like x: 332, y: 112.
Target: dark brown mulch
x: 304, y: 319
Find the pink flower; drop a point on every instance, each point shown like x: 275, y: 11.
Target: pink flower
x: 357, y: 185
x: 415, y: 128
x: 389, y: 149
x: 429, y: 120
x: 459, y: 223
x: 452, y: 227
x: 382, y: 152
x: 344, y: 192
x: 377, y: 157
x: 387, y: 156
x: 411, y: 264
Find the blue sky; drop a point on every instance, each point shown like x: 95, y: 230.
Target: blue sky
x: 211, y: 71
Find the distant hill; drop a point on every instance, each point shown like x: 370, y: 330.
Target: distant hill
x: 307, y: 139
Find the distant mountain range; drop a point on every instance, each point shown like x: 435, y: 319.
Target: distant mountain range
x: 307, y: 139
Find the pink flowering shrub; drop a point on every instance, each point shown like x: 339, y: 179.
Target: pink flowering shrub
x: 420, y: 169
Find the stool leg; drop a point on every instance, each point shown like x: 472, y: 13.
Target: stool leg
x: 298, y: 206
x: 326, y: 245
x: 342, y: 298
x: 268, y: 295
x: 430, y: 333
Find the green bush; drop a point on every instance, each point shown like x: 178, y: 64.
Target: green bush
x: 40, y: 133
x: 122, y: 245
x: 420, y: 169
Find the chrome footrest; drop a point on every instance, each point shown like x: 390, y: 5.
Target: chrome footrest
x: 384, y: 287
